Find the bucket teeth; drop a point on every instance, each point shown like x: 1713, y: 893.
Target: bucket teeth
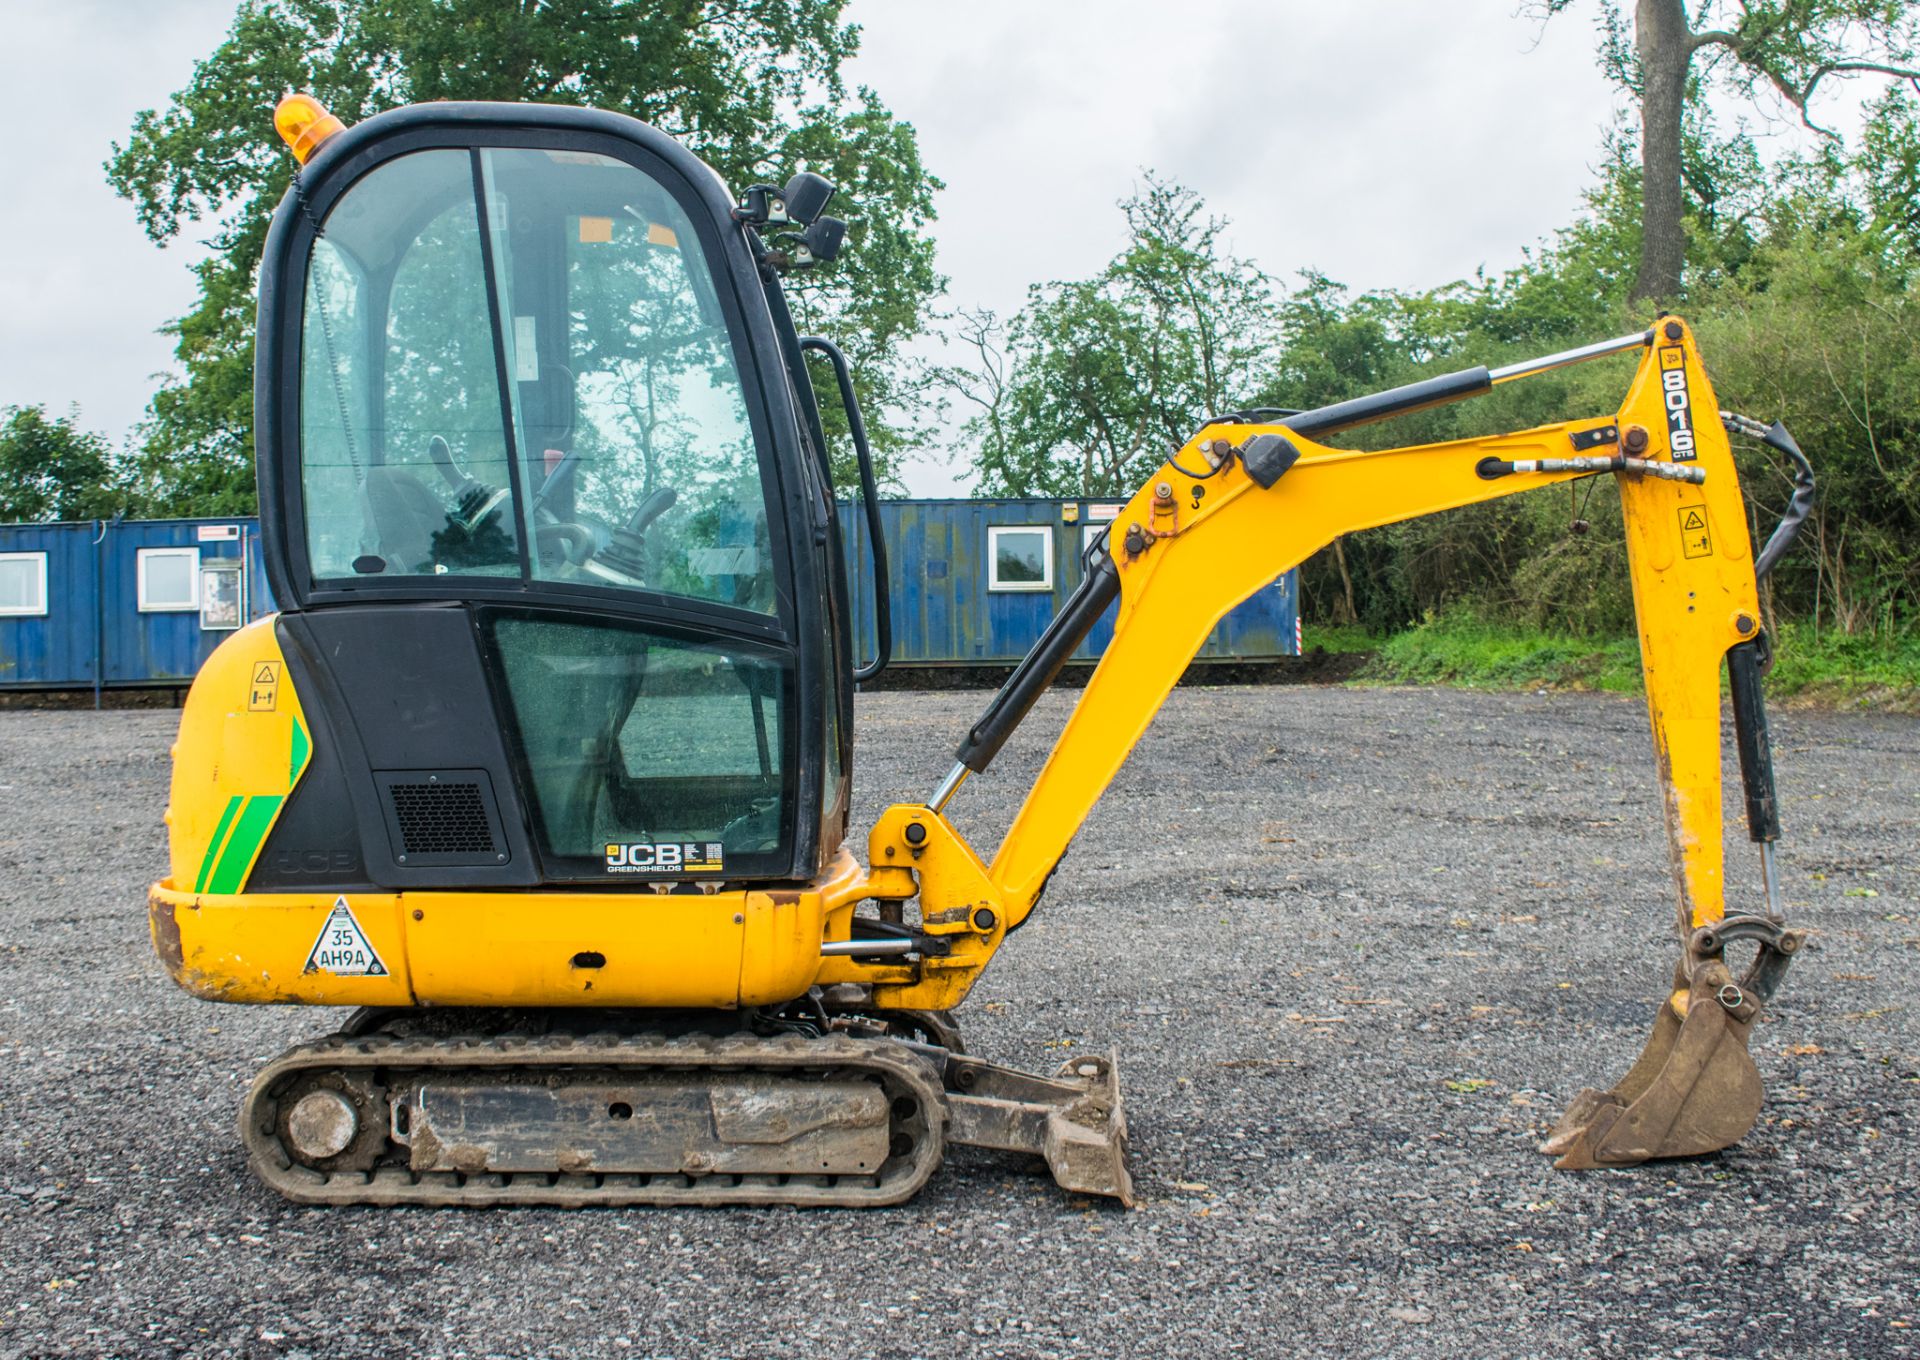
x: 1694, y: 1089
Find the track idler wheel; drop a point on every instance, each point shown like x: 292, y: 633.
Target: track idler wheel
x: 333, y: 1121
x: 1694, y: 1088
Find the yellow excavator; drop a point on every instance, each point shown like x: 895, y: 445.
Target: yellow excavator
x: 544, y: 764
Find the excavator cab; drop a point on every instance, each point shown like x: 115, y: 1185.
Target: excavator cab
x: 539, y: 446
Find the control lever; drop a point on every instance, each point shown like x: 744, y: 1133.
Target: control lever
x: 626, y: 547
x: 473, y: 500
x: 655, y: 505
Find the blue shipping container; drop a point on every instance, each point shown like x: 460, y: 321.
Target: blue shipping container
x: 142, y: 602
x: 975, y: 581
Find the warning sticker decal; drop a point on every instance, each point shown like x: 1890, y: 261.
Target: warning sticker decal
x: 343, y: 949
x: 265, y: 687
x: 1694, y: 539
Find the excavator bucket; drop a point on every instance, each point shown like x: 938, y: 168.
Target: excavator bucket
x: 1694, y: 1088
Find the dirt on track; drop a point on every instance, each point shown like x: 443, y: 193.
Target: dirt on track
x: 1355, y: 947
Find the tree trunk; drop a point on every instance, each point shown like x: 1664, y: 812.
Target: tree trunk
x: 1665, y: 47
x: 1346, y: 583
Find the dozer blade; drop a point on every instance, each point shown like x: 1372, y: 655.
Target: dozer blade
x: 1072, y: 1119
x: 1694, y: 1088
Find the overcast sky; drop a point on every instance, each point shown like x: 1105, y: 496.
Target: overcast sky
x: 1387, y: 143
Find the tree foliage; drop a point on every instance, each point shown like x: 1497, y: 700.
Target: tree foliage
x: 1097, y: 379
x: 1809, y: 316
x: 753, y: 86
x: 1790, y: 51
x: 54, y: 470
x: 1803, y: 301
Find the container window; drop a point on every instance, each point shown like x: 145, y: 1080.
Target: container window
x: 23, y: 584
x: 222, y: 598
x: 1020, y: 557
x: 169, y: 580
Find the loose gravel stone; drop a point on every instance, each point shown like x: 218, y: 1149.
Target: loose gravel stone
x: 1355, y: 948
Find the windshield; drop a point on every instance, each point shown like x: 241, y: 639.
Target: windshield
x: 544, y: 390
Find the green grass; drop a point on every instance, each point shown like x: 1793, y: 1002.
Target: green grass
x: 1880, y: 672
x: 1337, y: 637
x: 1459, y: 650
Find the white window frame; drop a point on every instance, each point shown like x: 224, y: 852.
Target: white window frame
x: 142, y: 556
x: 16, y: 611
x: 994, y: 583
x: 1090, y: 531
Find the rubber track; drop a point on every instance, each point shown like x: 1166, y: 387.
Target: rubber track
x: 901, y: 1072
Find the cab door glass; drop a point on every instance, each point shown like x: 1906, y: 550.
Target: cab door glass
x: 442, y: 429
x: 629, y: 737
x: 627, y: 397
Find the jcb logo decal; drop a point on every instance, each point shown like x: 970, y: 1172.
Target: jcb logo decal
x: 664, y: 857
x: 1673, y: 390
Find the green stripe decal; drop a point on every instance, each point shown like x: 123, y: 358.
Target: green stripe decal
x: 298, y: 762
x: 229, y: 858
x: 248, y: 832
x: 213, y: 846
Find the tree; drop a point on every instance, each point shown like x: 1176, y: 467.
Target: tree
x: 1889, y: 166
x: 1096, y: 380
x: 52, y: 469
x: 753, y: 86
x: 1793, y: 48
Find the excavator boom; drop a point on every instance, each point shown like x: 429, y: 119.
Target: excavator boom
x: 1204, y: 534
x: 1241, y: 503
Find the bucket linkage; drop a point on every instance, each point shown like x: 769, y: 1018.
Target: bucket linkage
x: 1694, y: 1089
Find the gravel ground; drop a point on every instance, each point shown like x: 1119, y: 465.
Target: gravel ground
x: 1355, y: 947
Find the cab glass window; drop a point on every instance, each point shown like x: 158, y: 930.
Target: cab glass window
x: 515, y: 363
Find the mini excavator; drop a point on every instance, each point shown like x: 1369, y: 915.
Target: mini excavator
x: 543, y: 766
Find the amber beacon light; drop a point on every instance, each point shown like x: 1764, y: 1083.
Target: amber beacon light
x: 303, y: 124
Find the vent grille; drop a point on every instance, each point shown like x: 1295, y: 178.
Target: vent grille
x: 441, y: 817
